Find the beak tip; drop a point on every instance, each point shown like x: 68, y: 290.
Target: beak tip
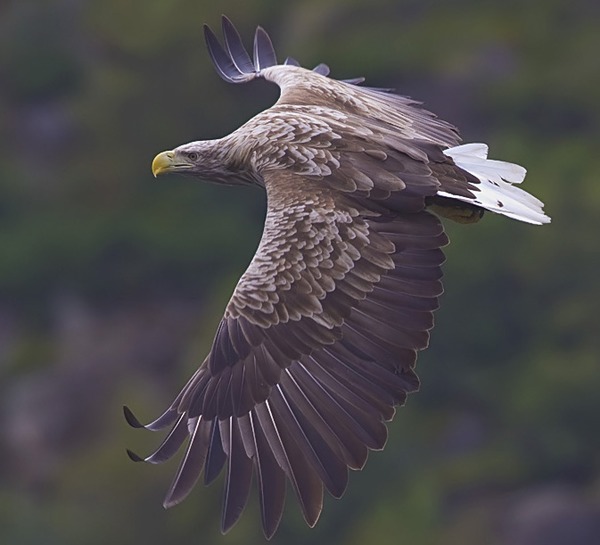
x: 163, y: 162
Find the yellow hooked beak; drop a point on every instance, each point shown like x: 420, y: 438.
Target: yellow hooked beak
x: 162, y: 163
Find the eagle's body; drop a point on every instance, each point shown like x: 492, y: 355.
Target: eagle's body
x: 318, y: 343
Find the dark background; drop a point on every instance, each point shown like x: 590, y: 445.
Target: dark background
x: 112, y: 283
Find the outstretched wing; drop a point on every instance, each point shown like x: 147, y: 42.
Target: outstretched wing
x: 316, y: 348
x: 304, y: 87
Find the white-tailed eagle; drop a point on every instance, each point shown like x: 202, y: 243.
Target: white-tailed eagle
x: 318, y: 343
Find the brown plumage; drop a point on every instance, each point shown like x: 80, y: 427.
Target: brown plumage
x: 318, y: 343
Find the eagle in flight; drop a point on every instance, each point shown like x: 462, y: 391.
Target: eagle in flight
x: 317, y: 346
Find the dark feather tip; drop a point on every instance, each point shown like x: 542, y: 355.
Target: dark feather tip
x: 131, y: 419
x: 322, y: 69
x: 220, y: 58
x: 291, y: 62
x: 233, y: 42
x: 264, y: 53
x: 134, y: 457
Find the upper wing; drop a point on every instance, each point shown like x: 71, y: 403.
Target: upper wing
x: 305, y: 87
x: 316, y: 348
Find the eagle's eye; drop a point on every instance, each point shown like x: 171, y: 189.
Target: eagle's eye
x: 193, y: 156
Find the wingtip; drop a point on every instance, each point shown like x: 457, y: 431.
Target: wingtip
x: 321, y: 69
x: 269, y: 533
x: 236, y: 49
x: 270, y: 525
x: 227, y: 525
x: 207, y: 30
x: 131, y: 418
x: 210, y: 38
x: 133, y: 456
x: 291, y: 61
x: 169, y: 502
x: 264, y: 52
x: 233, y: 68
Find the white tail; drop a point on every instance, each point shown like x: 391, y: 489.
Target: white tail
x: 497, y: 192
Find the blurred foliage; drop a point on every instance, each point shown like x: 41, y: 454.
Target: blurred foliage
x: 90, y: 91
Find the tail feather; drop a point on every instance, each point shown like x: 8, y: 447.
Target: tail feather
x: 496, y: 191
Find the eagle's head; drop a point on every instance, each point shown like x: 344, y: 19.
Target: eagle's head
x: 202, y: 159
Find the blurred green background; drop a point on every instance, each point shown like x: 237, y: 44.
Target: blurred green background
x: 111, y: 283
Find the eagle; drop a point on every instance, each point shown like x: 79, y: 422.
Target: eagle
x: 318, y: 343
